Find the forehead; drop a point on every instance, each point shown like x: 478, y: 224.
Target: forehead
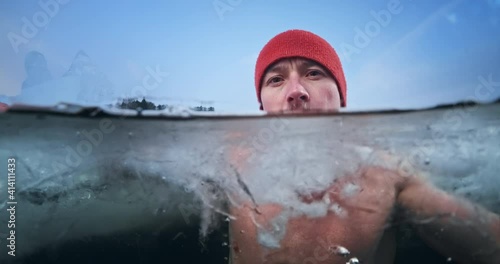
x: 288, y: 63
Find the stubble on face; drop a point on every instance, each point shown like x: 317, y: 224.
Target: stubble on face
x: 317, y: 85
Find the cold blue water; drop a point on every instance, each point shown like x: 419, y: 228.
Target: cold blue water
x: 97, y: 186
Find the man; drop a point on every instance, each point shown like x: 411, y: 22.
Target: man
x: 299, y: 71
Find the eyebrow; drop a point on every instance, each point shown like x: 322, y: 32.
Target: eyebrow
x: 280, y: 66
x: 277, y: 68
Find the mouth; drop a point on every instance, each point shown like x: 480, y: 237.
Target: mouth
x: 297, y: 108
x: 295, y: 111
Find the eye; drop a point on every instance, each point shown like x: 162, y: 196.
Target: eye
x: 274, y: 80
x: 314, y: 73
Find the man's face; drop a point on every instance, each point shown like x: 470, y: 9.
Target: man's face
x: 299, y: 85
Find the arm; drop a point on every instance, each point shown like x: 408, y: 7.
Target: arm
x: 454, y: 227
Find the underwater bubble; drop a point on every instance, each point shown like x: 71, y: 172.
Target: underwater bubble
x: 353, y: 261
x: 267, y: 240
x: 340, y: 251
x: 350, y: 190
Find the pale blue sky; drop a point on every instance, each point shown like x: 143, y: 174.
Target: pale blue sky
x: 429, y: 52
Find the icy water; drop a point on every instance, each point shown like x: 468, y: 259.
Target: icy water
x: 182, y: 247
x: 93, y: 186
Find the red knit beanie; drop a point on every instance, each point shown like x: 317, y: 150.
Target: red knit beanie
x: 300, y: 43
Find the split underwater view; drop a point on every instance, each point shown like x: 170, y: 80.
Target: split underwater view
x: 245, y: 132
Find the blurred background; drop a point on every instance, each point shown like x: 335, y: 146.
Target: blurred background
x: 201, y: 54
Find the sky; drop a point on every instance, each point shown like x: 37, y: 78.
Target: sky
x: 395, y: 53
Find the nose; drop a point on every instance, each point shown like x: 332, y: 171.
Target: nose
x: 296, y: 93
x: 298, y: 96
